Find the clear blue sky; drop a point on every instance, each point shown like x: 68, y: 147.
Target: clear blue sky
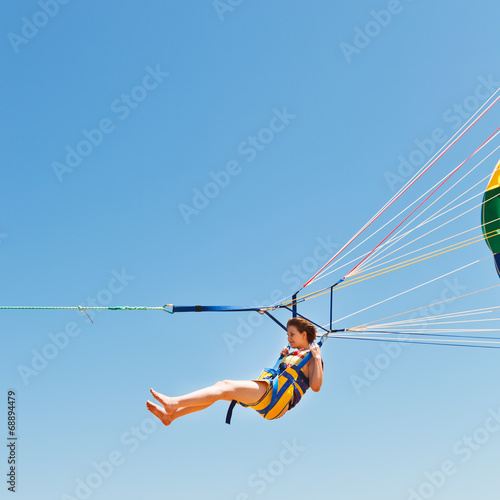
x: 116, y: 116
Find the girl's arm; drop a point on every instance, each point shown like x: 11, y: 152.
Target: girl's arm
x: 315, y: 369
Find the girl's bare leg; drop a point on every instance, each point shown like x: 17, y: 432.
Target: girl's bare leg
x: 244, y: 391
x: 167, y: 419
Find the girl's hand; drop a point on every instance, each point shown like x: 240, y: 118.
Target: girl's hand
x: 284, y: 351
x: 316, y: 351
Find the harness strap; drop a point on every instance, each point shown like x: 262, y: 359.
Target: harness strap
x: 229, y: 413
x: 275, y: 395
x: 273, y: 371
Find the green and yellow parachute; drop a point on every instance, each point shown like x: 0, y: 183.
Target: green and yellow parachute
x: 491, y: 215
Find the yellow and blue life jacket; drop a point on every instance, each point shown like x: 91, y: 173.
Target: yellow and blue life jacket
x: 287, y: 385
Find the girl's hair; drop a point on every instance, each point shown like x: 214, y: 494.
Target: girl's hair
x: 303, y: 325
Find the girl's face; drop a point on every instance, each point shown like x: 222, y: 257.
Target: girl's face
x: 297, y: 339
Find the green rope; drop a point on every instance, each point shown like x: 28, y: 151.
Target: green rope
x: 99, y: 308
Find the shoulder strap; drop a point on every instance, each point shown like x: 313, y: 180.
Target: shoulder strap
x: 304, y: 360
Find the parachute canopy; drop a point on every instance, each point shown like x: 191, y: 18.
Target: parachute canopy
x: 491, y: 215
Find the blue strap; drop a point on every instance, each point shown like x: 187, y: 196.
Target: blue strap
x: 276, y: 321
x: 276, y: 393
x: 274, y: 397
x: 304, y: 361
x: 212, y: 308
x: 229, y: 413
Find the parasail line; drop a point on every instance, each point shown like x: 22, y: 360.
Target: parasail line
x: 402, y: 191
x: 412, y: 289
x: 434, y: 304
x: 416, y: 208
x: 439, y: 213
x: 411, y: 341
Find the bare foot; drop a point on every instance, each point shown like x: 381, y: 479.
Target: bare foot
x: 159, y: 412
x: 168, y: 403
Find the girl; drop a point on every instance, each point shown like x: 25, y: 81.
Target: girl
x: 272, y: 395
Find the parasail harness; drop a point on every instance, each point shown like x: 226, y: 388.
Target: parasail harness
x: 287, y: 385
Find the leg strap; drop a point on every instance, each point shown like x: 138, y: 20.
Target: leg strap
x: 230, y: 411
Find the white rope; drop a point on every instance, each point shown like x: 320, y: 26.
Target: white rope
x: 416, y: 339
x: 425, y: 167
x: 432, y: 218
x: 409, y: 290
x: 397, y: 236
x: 485, y: 178
x: 380, y: 250
x: 472, y: 312
x: 375, y: 265
x: 422, y: 331
x: 486, y: 309
x: 423, y: 322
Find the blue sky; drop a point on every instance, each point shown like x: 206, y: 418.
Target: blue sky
x: 116, y: 116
